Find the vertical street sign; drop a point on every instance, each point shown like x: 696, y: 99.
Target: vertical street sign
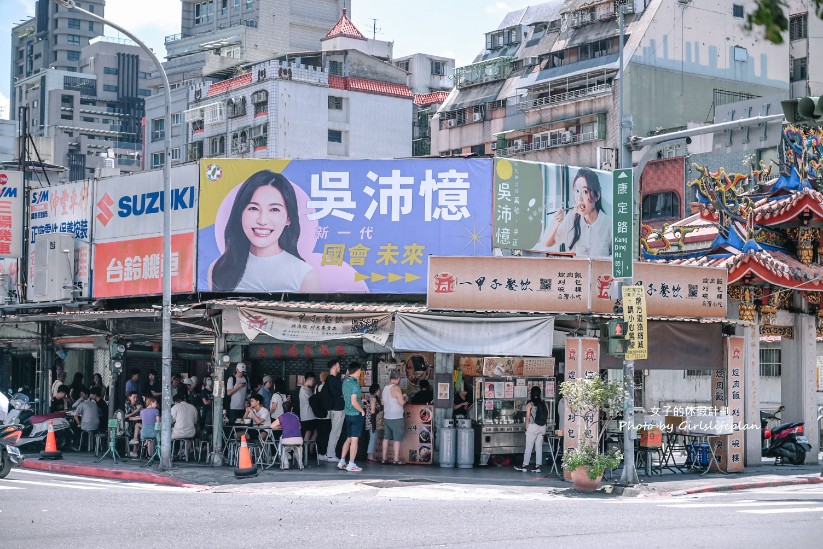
x: 634, y: 314
x: 623, y: 230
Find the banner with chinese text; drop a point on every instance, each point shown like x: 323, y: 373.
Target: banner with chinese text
x: 63, y: 209
x: 544, y: 207
x: 346, y: 226
x: 728, y: 392
x: 634, y: 314
x: 313, y: 326
x: 671, y: 290
x: 128, y: 233
x: 582, y: 361
x: 11, y: 214
x: 509, y: 284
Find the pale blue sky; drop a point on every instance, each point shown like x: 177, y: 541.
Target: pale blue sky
x: 450, y: 28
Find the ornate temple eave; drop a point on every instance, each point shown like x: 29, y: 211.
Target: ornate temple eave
x: 803, y: 207
x: 775, y: 268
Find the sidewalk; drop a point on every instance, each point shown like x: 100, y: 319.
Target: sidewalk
x: 204, y: 476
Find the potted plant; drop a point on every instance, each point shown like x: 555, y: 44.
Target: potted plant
x: 586, y: 398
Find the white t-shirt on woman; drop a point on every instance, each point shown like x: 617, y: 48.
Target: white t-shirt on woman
x: 273, y: 273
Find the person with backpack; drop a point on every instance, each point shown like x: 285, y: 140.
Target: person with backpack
x: 537, y: 416
x: 333, y: 399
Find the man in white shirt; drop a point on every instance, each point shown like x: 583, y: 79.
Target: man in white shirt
x: 308, y: 421
x: 184, y: 422
x: 236, y: 389
x: 61, y: 380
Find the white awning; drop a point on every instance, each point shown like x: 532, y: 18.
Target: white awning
x: 484, y: 335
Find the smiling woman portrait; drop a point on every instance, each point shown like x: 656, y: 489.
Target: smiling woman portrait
x: 261, y: 241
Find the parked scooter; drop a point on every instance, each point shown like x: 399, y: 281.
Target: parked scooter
x: 35, y: 428
x: 786, y: 441
x: 10, y: 456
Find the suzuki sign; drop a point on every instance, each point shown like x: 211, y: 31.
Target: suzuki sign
x: 128, y: 230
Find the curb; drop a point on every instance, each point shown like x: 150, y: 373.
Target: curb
x: 743, y: 486
x: 105, y: 472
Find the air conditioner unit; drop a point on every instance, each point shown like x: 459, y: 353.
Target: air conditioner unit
x: 566, y: 137
x: 452, y: 123
x: 53, y: 268
x: 494, y: 146
x: 518, y: 144
x: 477, y: 117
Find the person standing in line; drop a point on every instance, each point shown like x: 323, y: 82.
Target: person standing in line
x: 61, y: 380
x: 324, y: 422
x: 355, y: 418
x: 236, y: 388
x: 266, y: 391
x: 393, y: 425
x: 308, y: 421
x: 537, y: 415
x: 333, y: 396
x: 153, y: 388
x: 373, y: 406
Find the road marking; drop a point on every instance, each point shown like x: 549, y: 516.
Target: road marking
x: 733, y: 504
x: 56, y: 484
x: 779, y: 511
x: 64, y: 476
x: 10, y: 488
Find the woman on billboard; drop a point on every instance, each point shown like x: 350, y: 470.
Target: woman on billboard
x: 261, y: 241
x: 588, y: 232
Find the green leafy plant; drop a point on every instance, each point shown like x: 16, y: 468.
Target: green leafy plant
x: 771, y: 15
x: 594, y: 462
x: 587, y: 398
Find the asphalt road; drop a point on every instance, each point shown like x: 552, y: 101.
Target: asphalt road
x: 48, y: 510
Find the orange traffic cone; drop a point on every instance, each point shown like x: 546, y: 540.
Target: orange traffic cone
x: 51, y: 451
x: 244, y: 465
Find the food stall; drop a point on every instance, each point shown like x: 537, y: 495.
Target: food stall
x: 501, y: 392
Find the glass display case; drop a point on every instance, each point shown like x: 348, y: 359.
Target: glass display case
x: 499, y: 413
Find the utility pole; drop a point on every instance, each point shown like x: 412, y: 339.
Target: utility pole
x: 374, y: 29
x: 629, y: 475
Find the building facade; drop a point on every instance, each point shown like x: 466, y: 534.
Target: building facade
x: 54, y: 38
x: 545, y: 86
x: 91, y: 120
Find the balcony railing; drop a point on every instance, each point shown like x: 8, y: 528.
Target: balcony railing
x: 557, y: 99
x: 157, y: 135
x: 552, y: 143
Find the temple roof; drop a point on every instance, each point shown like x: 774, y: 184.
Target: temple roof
x: 787, y: 209
x: 770, y: 266
x: 344, y: 27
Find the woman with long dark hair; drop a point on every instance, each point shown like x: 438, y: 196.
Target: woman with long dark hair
x: 588, y: 232
x: 537, y: 417
x: 76, y: 386
x: 261, y: 241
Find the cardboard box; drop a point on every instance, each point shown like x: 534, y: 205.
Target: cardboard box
x: 673, y: 423
x: 651, y: 437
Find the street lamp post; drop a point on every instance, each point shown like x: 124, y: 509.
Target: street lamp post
x: 165, y: 439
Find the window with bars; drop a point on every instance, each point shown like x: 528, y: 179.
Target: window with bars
x: 698, y: 373
x: 661, y: 205
x: 799, y: 26
x: 738, y: 11
x: 260, y: 100
x: 335, y: 103
x: 335, y: 136
x: 770, y: 361
x: 799, y: 69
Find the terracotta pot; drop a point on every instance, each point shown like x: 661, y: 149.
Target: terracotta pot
x: 582, y: 482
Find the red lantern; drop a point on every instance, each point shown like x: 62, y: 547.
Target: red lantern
x: 277, y: 352
x: 261, y: 352
x: 293, y: 351
x: 307, y: 351
x: 341, y: 351
x: 324, y: 350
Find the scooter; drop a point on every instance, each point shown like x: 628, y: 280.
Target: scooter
x: 786, y: 441
x: 9, y: 435
x: 10, y: 455
x: 35, y: 428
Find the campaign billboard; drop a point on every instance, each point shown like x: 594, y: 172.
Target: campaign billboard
x: 337, y: 226
x: 542, y: 207
x: 63, y: 209
x: 128, y: 233
x: 11, y: 214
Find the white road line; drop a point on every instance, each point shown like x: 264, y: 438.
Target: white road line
x: 10, y: 487
x: 780, y: 511
x: 63, y: 476
x: 733, y: 504
x: 56, y: 484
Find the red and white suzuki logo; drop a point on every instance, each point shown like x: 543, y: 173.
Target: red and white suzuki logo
x: 104, y: 205
x: 3, y: 179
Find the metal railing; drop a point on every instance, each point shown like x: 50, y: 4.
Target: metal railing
x: 552, y: 143
x: 559, y: 98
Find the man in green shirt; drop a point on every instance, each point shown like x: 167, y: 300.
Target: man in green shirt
x: 355, y: 417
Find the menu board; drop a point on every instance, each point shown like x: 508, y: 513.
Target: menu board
x: 418, y: 444
x: 471, y: 365
x: 498, y: 366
